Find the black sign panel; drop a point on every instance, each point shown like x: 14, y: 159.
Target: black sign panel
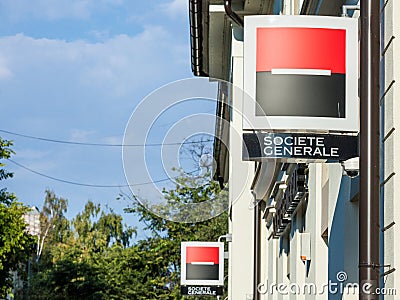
x: 196, y: 290
x: 295, y: 147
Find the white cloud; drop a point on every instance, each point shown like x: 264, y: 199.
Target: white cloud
x: 54, y: 85
x: 51, y: 9
x: 31, y: 154
x: 113, y: 140
x: 117, y: 66
x: 123, y: 62
x: 79, y: 135
x: 176, y: 8
x: 5, y: 72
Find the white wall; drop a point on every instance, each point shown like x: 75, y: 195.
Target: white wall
x: 241, y: 176
x: 318, y: 273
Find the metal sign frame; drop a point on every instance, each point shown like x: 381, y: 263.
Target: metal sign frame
x: 185, y: 281
x: 349, y: 123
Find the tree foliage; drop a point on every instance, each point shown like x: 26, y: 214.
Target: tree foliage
x: 90, y: 256
x: 15, y: 242
x: 54, y: 224
x: 79, y: 254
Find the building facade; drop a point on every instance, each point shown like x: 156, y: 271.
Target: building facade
x: 294, y: 226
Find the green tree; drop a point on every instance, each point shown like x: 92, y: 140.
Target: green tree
x: 94, y: 259
x: 54, y: 224
x: 90, y: 257
x: 15, y: 243
x: 160, y: 253
x: 81, y: 254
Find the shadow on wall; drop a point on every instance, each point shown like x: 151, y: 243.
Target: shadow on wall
x: 343, y: 235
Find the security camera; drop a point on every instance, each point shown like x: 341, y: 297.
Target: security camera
x: 351, y: 167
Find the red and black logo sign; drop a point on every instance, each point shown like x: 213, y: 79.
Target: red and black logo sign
x: 202, y: 263
x: 301, y: 72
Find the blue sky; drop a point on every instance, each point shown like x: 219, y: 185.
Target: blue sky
x: 75, y: 70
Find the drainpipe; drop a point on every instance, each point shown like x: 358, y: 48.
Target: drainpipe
x: 257, y: 246
x: 369, y: 209
x: 256, y: 234
x: 231, y: 14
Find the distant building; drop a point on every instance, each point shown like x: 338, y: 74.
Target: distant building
x: 32, y: 218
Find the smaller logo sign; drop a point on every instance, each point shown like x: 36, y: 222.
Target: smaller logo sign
x: 291, y: 147
x: 202, y: 266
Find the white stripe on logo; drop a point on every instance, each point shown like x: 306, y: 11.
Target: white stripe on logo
x: 301, y: 72
x: 205, y: 263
